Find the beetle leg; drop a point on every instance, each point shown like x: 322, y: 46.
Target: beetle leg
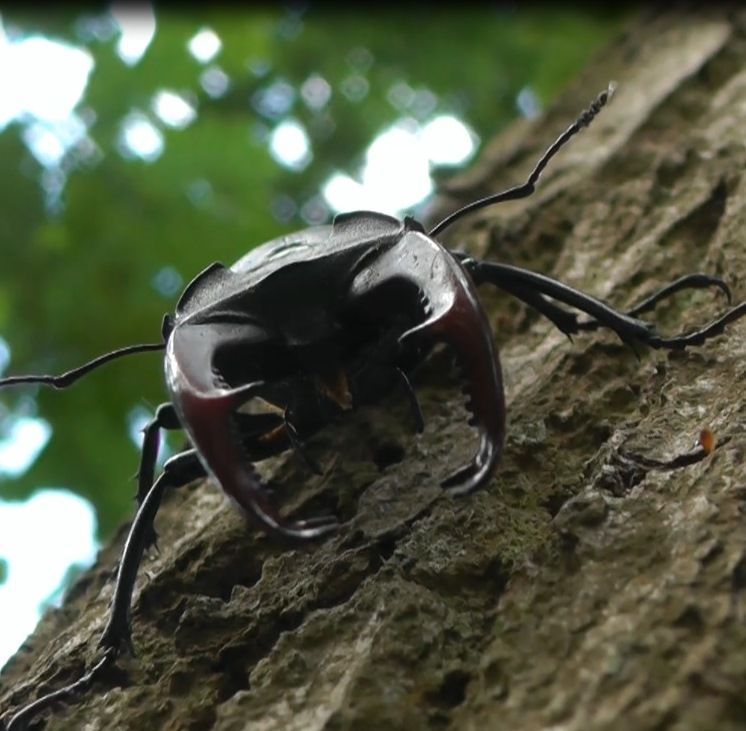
x: 178, y: 471
x: 297, y: 444
x: 688, y: 281
x: 564, y: 320
x: 452, y: 315
x: 403, y: 379
x: 625, y: 325
x: 165, y: 418
x: 20, y: 720
x: 414, y: 404
x: 697, y: 337
x: 567, y: 322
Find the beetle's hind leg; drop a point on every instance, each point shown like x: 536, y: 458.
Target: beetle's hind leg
x: 697, y: 280
x: 533, y: 288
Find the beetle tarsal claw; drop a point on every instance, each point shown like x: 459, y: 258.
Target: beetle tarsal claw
x: 316, y: 526
x: 309, y: 528
x: 115, y: 637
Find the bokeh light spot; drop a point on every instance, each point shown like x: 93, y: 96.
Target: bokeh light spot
x: 275, y: 100
x: 289, y: 145
x: 139, y: 137
x: 168, y: 282
x: 204, y: 45
x: 47, y: 81
x: 316, y: 91
x: 24, y: 441
x: 528, y: 103
x: 137, y: 28
x: 173, y: 109
x: 214, y: 81
x: 448, y: 141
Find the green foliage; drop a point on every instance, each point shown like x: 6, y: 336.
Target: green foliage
x: 80, y: 282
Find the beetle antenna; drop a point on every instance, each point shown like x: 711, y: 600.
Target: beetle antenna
x: 63, y: 380
x: 527, y: 188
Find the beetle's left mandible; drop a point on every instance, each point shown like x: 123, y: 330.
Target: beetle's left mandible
x: 451, y: 313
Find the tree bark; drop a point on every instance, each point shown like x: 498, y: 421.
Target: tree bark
x: 583, y: 589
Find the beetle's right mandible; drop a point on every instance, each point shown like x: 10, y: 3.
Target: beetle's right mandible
x: 207, y: 406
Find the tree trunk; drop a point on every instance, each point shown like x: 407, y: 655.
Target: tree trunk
x: 584, y: 588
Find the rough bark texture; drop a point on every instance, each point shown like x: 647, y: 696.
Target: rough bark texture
x: 577, y: 591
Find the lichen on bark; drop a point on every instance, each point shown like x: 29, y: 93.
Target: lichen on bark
x: 574, y: 592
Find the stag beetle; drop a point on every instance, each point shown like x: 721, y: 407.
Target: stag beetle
x: 300, y: 324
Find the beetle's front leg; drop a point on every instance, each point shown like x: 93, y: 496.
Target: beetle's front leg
x: 177, y: 472
x: 296, y: 443
x: 451, y: 314
x: 165, y: 418
x: 414, y: 404
x: 275, y: 439
x: 21, y: 718
x: 383, y: 362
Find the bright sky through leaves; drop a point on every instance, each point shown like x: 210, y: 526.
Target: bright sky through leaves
x: 136, y: 28
x: 40, y: 538
x: 397, y: 170
x: 48, y: 80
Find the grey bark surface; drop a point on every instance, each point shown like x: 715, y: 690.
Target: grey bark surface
x: 578, y: 591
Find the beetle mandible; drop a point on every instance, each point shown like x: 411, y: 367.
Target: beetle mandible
x: 299, y: 323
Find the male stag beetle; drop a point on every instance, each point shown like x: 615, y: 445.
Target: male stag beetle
x: 311, y: 323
